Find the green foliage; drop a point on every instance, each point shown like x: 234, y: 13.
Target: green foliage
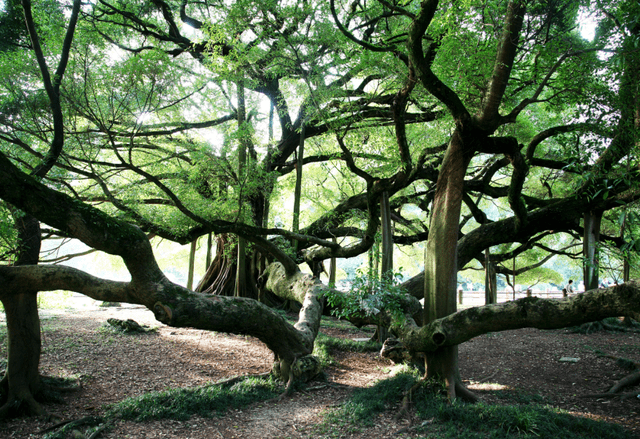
x: 208, y: 400
x: 443, y: 419
x: 3, y: 336
x: 54, y: 300
x: 369, y: 296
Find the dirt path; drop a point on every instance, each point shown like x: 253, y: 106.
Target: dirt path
x: 112, y: 367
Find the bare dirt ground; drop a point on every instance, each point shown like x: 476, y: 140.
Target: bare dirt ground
x: 114, y: 367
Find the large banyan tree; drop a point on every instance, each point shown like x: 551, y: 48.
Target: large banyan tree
x: 467, y: 125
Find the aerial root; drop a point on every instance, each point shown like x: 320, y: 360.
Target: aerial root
x: 72, y: 425
x: 622, y: 396
x: 630, y: 380
x: 406, y: 400
x: 466, y: 394
x: 290, y: 382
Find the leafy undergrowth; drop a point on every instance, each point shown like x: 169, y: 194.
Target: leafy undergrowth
x: 435, y: 417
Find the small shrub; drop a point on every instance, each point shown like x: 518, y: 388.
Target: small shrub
x: 369, y: 296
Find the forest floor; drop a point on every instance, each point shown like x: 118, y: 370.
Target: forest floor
x: 112, y: 367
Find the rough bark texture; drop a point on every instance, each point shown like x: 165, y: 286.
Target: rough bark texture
x: 21, y: 383
x: 441, y: 259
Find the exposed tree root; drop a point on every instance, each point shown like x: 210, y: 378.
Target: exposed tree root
x: 71, y: 425
x: 100, y: 429
x: 16, y: 406
x: 465, y: 394
x: 406, y: 400
x: 630, y: 380
x: 611, y: 395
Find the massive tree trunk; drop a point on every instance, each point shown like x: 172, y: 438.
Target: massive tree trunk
x: 441, y: 267
x: 221, y: 274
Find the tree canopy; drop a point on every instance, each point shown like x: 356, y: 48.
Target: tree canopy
x: 492, y: 127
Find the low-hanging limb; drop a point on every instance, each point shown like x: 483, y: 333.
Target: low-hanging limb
x: 530, y: 312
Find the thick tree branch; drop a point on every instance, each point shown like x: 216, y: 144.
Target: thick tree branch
x: 503, y: 64
x: 523, y: 313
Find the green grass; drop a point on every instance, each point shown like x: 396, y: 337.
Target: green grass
x: 343, y: 325
x: 208, y: 400
x: 325, y: 345
x: 443, y: 420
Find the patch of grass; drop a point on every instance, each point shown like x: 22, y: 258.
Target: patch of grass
x: 181, y: 404
x: 446, y: 420
x: 343, y: 325
x: 365, y: 404
x: 325, y: 345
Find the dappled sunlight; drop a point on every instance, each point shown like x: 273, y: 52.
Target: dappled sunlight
x: 478, y: 386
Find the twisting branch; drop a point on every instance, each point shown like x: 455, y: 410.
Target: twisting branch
x: 52, y: 86
x: 353, y: 38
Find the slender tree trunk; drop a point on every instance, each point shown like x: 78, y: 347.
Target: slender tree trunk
x: 241, y: 268
x: 192, y: 263
x: 298, y: 189
x: 387, y: 236
x: 513, y: 286
x: 209, y: 245
x: 591, y: 238
x: 333, y: 268
x: 490, y: 280
x: 387, y: 252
